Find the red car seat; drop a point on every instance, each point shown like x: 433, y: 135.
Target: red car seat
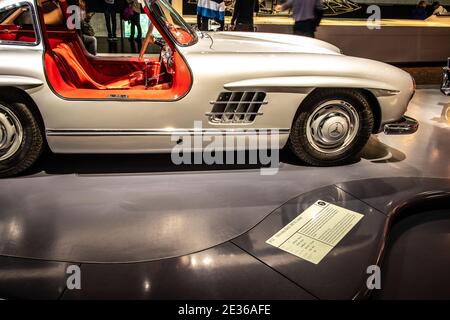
x: 77, y: 71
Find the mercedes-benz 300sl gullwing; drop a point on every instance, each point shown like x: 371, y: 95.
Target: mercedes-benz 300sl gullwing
x: 322, y: 104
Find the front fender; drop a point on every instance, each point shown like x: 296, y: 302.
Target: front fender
x: 305, y: 84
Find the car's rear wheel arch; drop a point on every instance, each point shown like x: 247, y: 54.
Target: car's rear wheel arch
x: 22, y: 135
x: 14, y: 94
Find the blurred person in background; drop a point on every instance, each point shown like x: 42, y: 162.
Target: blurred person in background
x: 210, y: 10
x: 307, y: 15
x: 87, y: 32
x: 110, y: 19
x: 135, y: 20
x: 242, y: 19
x: 420, y: 11
x: 438, y: 8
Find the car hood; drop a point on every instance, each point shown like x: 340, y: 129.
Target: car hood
x: 268, y: 42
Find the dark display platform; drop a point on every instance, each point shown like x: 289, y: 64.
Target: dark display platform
x: 140, y: 227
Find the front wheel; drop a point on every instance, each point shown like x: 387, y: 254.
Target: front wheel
x: 21, y: 141
x: 332, y: 127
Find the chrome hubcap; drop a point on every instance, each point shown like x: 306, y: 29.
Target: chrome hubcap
x: 332, y: 126
x: 11, y: 133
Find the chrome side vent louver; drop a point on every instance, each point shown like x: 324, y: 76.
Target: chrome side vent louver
x: 236, y: 107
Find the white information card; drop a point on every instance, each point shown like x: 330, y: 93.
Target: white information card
x: 316, y: 231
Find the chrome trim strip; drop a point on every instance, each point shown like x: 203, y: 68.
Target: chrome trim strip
x: 406, y: 125
x: 237, y: 102
x: 160, y: 132
x: 234, y: 113
x: 384, y: 92
x: 224, y: 117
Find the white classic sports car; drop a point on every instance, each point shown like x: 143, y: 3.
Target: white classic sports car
x: 324, y: 105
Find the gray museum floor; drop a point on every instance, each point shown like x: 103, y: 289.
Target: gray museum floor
x: 140, y: 227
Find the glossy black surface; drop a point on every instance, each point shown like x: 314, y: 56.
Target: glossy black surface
x: 385, y: 194
x: 342, y: 273
x: 223, y: 272
x: 142, y: 208
x: 134, y: 208
x: 417, y: 258
x: 130, y: 218
x: 31, y: 279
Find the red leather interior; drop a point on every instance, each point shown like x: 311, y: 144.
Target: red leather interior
x: 77, y: 73
x: 70, y: 67
x: 16, y: 33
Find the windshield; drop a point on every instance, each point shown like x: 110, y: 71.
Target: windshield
x: 174, y: 24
